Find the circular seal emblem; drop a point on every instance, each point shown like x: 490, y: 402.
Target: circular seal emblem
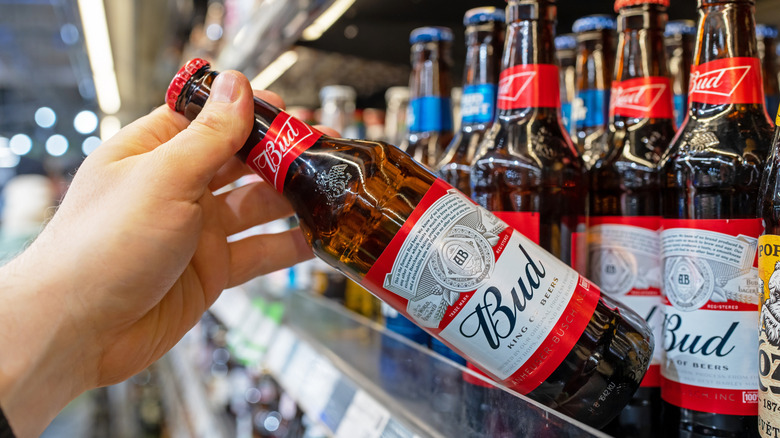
x: 614, y: 270
x: 689, y: 282
x: 463, y: 261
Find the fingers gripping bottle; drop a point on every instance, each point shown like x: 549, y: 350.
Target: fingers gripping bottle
x: 484, y: 41
x: 527, y: 171
x: 480, y: 287
x: 429, y: 117
x: 710, y: 229
x: 624, y: 249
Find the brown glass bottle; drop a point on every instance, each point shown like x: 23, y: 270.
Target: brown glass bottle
x: 710, y: 186
x: 369, y: 209
x: 623, y: 247
x: 766, y: 37
x: 484, y: 41
x: 527, y: 171
x: 429, y: 117
x: 566, y: 53
x: 594, y: 68
x: 680, y: 39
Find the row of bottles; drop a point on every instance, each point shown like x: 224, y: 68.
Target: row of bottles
x: 663, y: 206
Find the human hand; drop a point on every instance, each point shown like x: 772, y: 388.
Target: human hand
x: 135, y: 254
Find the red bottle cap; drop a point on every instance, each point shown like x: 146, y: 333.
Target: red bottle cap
x: 620, y: 4
x: 181, y: 78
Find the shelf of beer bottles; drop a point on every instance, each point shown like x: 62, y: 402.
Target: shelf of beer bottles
x: 359, y: 379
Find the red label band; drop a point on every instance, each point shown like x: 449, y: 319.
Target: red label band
x: 285, y: 140
x: 529, y: 86
x: 526, y: 222
x: 718, y: 401
x: 729, y: 80
x: 647, y: 97
x: 652, y: 377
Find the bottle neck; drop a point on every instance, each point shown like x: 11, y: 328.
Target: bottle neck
x: 431, y: 64
x: 714, y: 42
x: 641, y: 51
x: 483, y: 45
x: 529, y: 73
x: 595, y: 60
x: 726, y: 72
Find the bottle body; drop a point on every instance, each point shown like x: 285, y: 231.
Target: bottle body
x: 710, y: 184
x: 429, y: 116
x: 623, y: 245
x: 769, y: 296
x: 368, y: 208
x: 526, y: 170
x: 484, y: 42
x: 766, y: 39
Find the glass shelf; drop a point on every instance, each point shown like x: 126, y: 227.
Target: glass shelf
x: 360, y: 379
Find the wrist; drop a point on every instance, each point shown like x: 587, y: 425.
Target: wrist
x: 43, y: 364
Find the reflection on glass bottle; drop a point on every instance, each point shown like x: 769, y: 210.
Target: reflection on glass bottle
x: 565, y: 51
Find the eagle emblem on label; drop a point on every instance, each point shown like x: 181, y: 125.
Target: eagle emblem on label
x: 449, y: 251
x: 333, y: 182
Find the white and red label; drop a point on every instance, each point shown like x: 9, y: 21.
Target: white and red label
x: 711, y: 289
x: 497, y: 298
x: 529, y: 86
x: 286, y: 139
x: 728, y: 80
x: 624, y: 255
x: 646, y: 97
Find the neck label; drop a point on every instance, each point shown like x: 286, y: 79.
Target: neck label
x: 529, y: 86
x: 285, y: 140
x: 430, y: 113
x: 642, y: 98
x: 729, y: 80
x: 478, y: 104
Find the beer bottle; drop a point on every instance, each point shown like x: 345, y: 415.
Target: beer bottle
x: 769, y: 297
x: 430, y: 113
x: 766, y: 36
x: 594, y: 67
x: 565, y: 51
x: 526, y: 171
x: 710, y: 191
x: 484, y: 41
x: 449, y: 265
x: 397, y: 99
x: 624, y: 252
x: 680, y: 38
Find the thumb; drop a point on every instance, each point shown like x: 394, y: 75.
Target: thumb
x: 218, y: 132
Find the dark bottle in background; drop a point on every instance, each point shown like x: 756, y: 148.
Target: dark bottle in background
x: 566, y: 52
x: 374, y: 213
x: 484, y: 42
x: 429, y: 117
x: 594, y: 68
x: 527, y: 171
x: 624, y: 252
x: 680, y: 40
x: 766, y: 37
x: 710, y: 192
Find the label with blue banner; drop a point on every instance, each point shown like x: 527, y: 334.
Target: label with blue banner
x: 680, y: 108
x: 430, y: 113
x: 590, y: 108
x: 478, y: 104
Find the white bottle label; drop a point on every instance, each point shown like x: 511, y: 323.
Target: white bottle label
x: 711, y: 313
x: 483, y: 288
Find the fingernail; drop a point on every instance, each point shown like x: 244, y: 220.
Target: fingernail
x: 225, y: 88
